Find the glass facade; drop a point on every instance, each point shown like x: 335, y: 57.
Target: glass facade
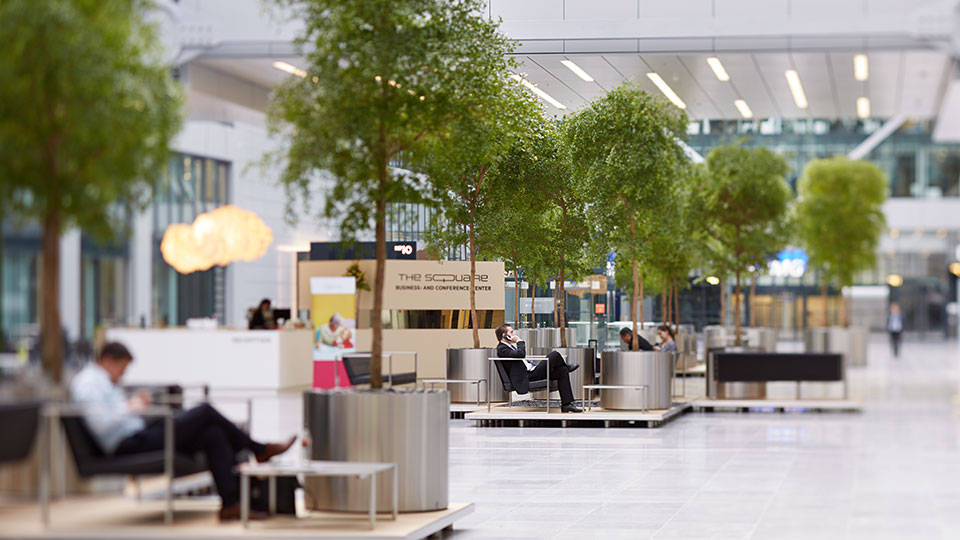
x: 19, y: 287
x: 194, y: 185
x: 103, y: 285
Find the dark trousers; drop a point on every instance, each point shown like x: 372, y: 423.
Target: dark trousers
x: 558, y: 372
x: 895, y: 343
x: 201, y: 429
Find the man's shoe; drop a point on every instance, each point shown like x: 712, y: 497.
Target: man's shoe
x: 232, y: 512
x: 274, y: 449
x: 570, y: 407
x: 572, y: 367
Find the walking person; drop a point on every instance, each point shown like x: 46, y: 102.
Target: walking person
x: 895, y: 327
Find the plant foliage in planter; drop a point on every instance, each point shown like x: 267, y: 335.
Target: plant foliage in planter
x: 87, y: 110
x: 625, y: 146
x: 383, y: 81
x: 839, y: 218
x: 745, y: 199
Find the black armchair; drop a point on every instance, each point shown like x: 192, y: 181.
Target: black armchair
x: 357, y: 367
x: 508, y: 386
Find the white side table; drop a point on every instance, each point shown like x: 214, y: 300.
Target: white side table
x: 314, y: 468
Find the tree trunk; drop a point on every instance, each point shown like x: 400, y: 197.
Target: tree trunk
x: 640, y: 283
x: 533, y: 300
x: 473, y: 287
x: 664, y: 306
x: 826, y: 312
x: 635, y: 341
x: 50, y: 326
x: 562, y: 292
x: 844, y: 310
x: 736, y: 312
x: 556, y: 302
x: 516, y: 299
x: 3, y: 344
x: 723, y: 303
x: 376, y: 349
x: 676, y: 306
x: 753, y: 305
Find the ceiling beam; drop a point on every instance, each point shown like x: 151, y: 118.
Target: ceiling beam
x: 877, y: 137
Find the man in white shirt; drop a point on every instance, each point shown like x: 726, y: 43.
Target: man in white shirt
x: 112, y: 420
x: 521, y: 373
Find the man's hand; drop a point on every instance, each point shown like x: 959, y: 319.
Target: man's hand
x: 138, y: 401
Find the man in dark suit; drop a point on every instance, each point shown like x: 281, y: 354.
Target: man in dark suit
x: 626, y: 341
x: 521, y: 373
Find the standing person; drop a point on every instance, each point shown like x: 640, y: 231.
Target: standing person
x: 521, y: 373
x: 113, y: 421
x: 895, y: 327
x: 667, y: 344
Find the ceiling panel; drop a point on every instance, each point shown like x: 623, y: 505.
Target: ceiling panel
x: 551, y: 85
x: 699, y: 104
x: 848, y: 88
x: 605, y: 75
x: 772, y: 67
x: 922, y: 77
x: 551, y: 63
x: 633, y: 68
x: 749, y: 84
x: 884, y: 85
x: 722, y: 94
x: 817, y: 83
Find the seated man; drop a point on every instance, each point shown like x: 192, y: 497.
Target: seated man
x: 117, y: 429
x: 521, y: 373
x: 626, y: 341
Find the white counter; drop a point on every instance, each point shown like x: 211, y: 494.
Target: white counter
x: 255, y: 359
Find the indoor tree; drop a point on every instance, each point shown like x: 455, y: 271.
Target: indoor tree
x: 624, y: 145
x: 839, y: 218
x: 382, y: 81
x: 495, y: 117
x: 744, y: 206
x: 87, y: 109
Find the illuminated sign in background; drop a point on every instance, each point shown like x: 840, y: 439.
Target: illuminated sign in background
x: 789, y: 263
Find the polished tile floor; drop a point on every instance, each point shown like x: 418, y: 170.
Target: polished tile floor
x: 892, y: 471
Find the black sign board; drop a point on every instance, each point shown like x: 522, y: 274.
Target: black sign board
x: 335, y: 251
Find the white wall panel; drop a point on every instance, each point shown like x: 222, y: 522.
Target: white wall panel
x: 525, y: 10
x: 687, y: 9
x: 751, y: 8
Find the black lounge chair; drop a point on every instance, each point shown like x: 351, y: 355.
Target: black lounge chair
x: 357, y: 367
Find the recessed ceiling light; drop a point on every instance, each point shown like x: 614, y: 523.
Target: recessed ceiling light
x: 718, y: 69
x: 533, y: 88
x: 577, y: 70
x: 863, y: 107
x: 743, y: 108
x: 667, y: 91
x: 290, y: 68
x: 793, y: 79
x: 861, y: 67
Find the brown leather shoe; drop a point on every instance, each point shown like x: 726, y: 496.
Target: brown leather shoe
x: 232, y: 512
x: 274, y: 449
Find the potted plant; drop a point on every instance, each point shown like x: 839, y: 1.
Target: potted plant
x: 839, y: 219
x: 744, y: 201
x: 381, y: 82
x: 64, y: 163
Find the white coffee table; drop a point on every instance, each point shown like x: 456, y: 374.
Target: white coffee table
x: 313, y: 468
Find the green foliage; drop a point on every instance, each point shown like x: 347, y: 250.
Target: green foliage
x: 625, y: 146
x: 385, y: 79
x: 87, y: 108
x: 358, y: 275
x: 743, y: 202
x: 839, y: 216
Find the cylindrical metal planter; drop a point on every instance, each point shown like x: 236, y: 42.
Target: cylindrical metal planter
x: 850, y: 342
x: 473, y: 364
x: 547, y: 337
x: 576, y: 355
x: 654, y: 369
x: 409, y: 428
x: 530, y: 336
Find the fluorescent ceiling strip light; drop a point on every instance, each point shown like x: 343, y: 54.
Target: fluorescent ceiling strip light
x: 743, y: 108
x: 667, y: 91
x: 717, y: 68
x: 793, y: 79
x: 863, y: 107
x: 533, y: 88
x: 290, y: 68
x: 861, y: 67
x: 577, y: 70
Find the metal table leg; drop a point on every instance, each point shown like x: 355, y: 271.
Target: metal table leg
x: 244, y: 500
x: 272, y: 494
x: 396, y: 492
x: 373, y: 500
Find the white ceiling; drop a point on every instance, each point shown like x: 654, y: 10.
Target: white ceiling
x: 906, y: 82
x: 909, y: 82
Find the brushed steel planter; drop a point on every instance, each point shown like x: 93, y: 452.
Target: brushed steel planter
x: 651, y: 368
x: 473, y: 364
x: 850, y: 342
x: 406, y: 427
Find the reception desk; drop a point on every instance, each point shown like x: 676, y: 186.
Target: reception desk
x: 255, y: 359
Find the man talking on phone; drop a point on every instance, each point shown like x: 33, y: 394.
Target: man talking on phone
x: 522, y: 373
